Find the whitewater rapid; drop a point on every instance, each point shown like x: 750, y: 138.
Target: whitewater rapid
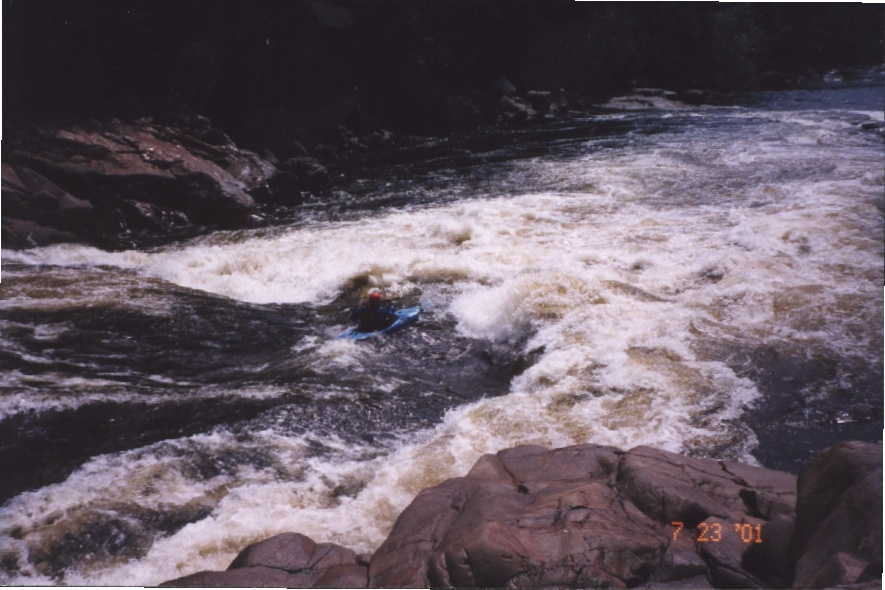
x: 629, y: 269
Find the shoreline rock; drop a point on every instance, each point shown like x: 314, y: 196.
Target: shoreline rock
x: 590, y: 516
x: 108, y: 183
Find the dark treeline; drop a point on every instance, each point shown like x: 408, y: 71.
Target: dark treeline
x: 269, y: 68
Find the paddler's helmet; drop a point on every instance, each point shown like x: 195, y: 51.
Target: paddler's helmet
x: 375, y: 296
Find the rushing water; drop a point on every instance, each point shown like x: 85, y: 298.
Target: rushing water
x: 706, y: 280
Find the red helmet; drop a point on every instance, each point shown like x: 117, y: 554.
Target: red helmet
x: 375, y: 295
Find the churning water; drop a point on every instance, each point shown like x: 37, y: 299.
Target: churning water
x: 705, y: 280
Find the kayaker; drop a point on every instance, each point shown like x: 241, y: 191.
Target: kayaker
x: 373, y: 315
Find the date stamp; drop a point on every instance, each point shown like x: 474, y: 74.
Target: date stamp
x: 712, y: 532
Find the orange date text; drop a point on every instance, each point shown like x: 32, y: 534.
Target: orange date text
x: 713, y: 532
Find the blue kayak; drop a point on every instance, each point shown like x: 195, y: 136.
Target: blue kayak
x: 404, y: 317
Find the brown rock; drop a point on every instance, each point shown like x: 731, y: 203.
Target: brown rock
x: 28, y: 192
x: 193, y: 171
x: 593, y: 516
x: 294, y: 552
x: 826, y: 478
x: 289, y: 559
x: 287, y: 551
x: 769, y: 560
x: 670, y: 487
x: 344, y: 576
x: 299, y: 174
x: 838, y: 537
x: 723, y: 550
x: 52, y: 214
x: 246, y: 577
x: 582, y: 516
x: 21, y: 233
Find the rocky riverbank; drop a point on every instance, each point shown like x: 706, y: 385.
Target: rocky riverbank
x: 135, y: 183
x: 596, y: 516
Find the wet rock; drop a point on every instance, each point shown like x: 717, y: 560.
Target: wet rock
x: 512, y: 109
x: 97, y: 532
x: 378, y: 138
x: 502, y: 86
x: 584, y: 515
x: 877, y: 127
x: 299, y: 174
x: 247, y: 577
x: 26, y: 192
x: 838, y: 537
x: 21, y: 233
x: 541, y: 100
x: 138, y: 215
x: 187, y: 167
x: 287, y: 560
x: 724, y: 552
x: 37, y: 211
x: 294, y: 552
x: 462, y: 112
x: 712, y: 274
x: 596, y: 516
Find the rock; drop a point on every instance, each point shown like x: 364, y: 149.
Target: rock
x: 838, y: 538
x: 293, y: 552
x: 190, y: 168
x: 462, y: 112
x: 378, y: 138
x: 502, y: 86
x: 724, y: 551
x: 668, y: 487
x: 138, y: 215
x: 287, y: 560
x: 299, y: 174
x: 877, y: 127
x: 28, y: 192
x: 247, y: 577
x: 514, y: 109
x: 21, y: 233
x: 296, y: 148
x: 766, y: 559
x: 596, y: 516
x: 541, y: 100
x: 51, y: 213
x: 583, y: 516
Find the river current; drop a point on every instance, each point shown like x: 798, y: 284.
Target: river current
x: 706, y: 280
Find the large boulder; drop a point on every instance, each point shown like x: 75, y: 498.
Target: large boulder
x: 287, y: 560
x: 37, y: 211
x: 596, y: 516
x: 22, y: 233
x: 143, y: 170
x: 838, y: 538
x: 587, y: 516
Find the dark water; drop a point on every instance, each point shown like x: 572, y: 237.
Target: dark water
x: 707, y: 280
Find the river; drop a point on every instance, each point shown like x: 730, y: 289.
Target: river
x: 706, y: 280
